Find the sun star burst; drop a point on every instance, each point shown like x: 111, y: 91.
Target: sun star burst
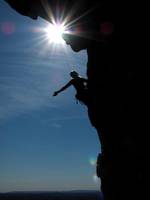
x: 54, y: 33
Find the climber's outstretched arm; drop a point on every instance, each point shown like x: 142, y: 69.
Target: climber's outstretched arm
x: 63, y: 88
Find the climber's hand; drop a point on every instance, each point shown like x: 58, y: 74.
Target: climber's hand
x: 55, y: 94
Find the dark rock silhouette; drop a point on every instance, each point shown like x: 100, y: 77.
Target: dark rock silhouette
x: 110, y: 32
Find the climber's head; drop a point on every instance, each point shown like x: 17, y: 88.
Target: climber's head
x: 74, y: 74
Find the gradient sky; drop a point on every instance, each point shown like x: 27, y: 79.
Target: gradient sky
x: 46, y: 143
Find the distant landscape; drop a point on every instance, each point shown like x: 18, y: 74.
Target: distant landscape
x: 71, y: 195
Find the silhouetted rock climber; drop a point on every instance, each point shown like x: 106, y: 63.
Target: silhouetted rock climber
x: 80, y: 84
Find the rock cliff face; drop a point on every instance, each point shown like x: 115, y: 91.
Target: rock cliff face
x: 110, y: 34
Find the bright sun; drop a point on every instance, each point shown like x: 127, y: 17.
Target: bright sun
x: 54, y: 33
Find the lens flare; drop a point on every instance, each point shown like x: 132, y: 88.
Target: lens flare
x: 92, y: 161
x: 8, y: 28
x: 95, y: 178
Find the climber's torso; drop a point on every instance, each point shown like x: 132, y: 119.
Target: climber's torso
x: 79, y: 84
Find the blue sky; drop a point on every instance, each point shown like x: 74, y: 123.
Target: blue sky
x: 46, y: 143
